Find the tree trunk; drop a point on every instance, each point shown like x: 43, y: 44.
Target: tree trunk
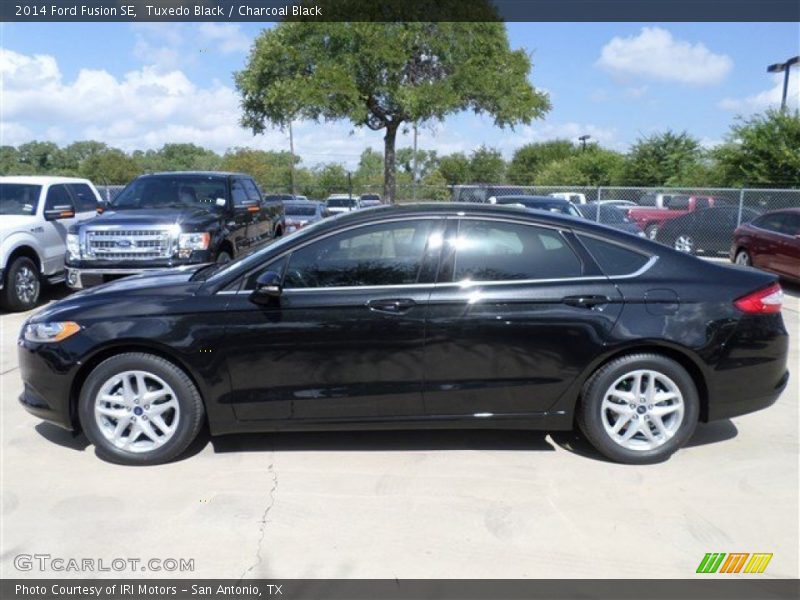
x: 389, y: 186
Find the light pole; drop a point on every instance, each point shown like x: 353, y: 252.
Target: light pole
x: 784, y: 68
x: 583, y: 139
x: 291, y: 151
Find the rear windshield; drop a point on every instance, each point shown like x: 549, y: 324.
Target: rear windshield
x: 19, y: 198
x: 300, y: 210
x: 340, y: 202
x: 182, y: 191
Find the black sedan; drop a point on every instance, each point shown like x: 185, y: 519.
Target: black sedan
x: 448, y: 315
x: 548, y: 203
x: 608, y: 214
x: 707, y: 231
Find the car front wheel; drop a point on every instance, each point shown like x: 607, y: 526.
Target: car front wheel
x: 743, y: 258
x: 651, y: 231
x: 139, y: 409
x: 639, y: 409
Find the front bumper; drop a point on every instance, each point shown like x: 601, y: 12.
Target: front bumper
x: 86, y: 273
x: 2, y: 278
x: 47, y: 381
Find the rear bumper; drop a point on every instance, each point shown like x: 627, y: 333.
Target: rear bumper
x: 744, y: 405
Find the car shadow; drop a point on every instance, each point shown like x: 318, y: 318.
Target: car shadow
x: 62, y: 437
x: 384, y: 441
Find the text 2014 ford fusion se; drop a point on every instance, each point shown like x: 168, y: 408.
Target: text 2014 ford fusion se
x: 408, y: 317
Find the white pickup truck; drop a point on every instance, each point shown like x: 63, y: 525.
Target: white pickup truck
x: 35, y: 214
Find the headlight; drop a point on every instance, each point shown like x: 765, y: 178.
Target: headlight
x: 50, y: 332
x: 189, y: 242
x: 73, y: 245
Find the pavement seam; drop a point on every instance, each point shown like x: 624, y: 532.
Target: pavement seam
x: 263, y: 522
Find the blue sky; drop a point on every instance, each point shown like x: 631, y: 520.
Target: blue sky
x: 138, y: 86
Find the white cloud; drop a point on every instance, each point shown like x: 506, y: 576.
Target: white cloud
x: 604, y: 136
x: 229, y: 37
x: 655, y: 54
x: 770, y: 98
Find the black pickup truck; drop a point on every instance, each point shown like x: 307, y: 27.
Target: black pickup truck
x: 165, y: 220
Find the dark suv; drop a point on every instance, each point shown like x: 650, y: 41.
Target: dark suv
x: 167, y: 220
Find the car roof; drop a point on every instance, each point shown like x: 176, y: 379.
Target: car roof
x: 42, y: 179
x: 549, y: 199
x: 196, y: 174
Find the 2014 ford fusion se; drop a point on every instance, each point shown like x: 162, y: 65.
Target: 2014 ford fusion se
x: 447, y: 315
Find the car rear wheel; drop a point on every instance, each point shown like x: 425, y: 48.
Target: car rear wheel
x: 22, y: 285
x: 685, y: 243
x: 139, y: 409
x: 639, y: 409
x: 651, y: 231
x: 223, y: 257
x: 743, y: 258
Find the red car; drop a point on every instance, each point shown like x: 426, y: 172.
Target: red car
x: 655, y: 210
x: 770, y: 242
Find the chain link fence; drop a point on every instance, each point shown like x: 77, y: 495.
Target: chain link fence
x: 699, y: 221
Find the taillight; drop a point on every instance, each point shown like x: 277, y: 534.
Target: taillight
x: 762, y: 302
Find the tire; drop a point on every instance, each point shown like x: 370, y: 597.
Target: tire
x: 278, y: 232
x: 223, y: 256
x: 743, y: 258
x: 160, y: 377
x: 685, y: 243
x: 651, y: 231
x: 22, y: 285
x: 678, y: 416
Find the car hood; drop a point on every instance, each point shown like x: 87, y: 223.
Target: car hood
x: 187, y: 219
x: 143, y: 294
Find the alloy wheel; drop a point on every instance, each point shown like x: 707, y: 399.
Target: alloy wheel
x: 136, y: 411
x: 684, y: 243
x: 26, y: 285
x: 743, y: 258
x: 642, y: 410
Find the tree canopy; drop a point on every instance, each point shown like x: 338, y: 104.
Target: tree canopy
x: 381, y: 75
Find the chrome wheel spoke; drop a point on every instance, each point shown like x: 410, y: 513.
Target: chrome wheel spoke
x: 642, y: 410
x: 137, y: 411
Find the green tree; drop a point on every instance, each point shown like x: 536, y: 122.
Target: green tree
x: 530, y: 159
x: 382, y: 75
x: 592, y: 167
x: 454, y: 168
x: 272, y: 170
x: 188, y: 157
x: 109, y: 167
x: 370, y: 167
x: 39, y: 157
x: 486, y: 165
x: 762, y: 151
x: 427, y: 161
x: 330, y: 179
x: 9, y: 162
x: 76, y: 153
x: 661, y: 158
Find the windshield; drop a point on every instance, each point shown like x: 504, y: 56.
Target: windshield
x: 553, y: 206
x: 301, y: 210
x: 340, y: 202
x: 19, y: 198
x: 371, y: 197
x: 182, y: 191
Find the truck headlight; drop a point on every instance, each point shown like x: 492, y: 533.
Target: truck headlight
x: 73, y: 245
x: 50, y: 332
x: 189, y: 242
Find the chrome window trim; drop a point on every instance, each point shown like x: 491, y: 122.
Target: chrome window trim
x: 653, y: 258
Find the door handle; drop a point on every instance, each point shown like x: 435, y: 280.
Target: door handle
x: 586, y: 301
x: 391, y: 305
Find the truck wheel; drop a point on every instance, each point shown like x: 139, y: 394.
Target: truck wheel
x: 139, y: 409
x: 651, y: 231
x: 22, y: 285
x: 223, y: 257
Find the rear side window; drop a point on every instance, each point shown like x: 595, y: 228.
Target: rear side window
x: 497, y: 251
x: 613, y: 259
x: 85, y: 199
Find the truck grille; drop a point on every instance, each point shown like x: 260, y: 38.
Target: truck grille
x: 128, y: 244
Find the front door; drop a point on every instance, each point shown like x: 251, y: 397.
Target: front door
x: 513, y: 321
x: 345, y: 338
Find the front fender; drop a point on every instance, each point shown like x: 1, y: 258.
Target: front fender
x: 16, y: 240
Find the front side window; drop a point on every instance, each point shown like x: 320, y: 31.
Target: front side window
x: 19, y: 198
x: 384, y: 254
x: 773, y: 222
x: 499, y: 251
x: 251, y: 190
x: 58, y: 198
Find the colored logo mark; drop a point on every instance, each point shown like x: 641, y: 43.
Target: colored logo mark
x: 734, y: 562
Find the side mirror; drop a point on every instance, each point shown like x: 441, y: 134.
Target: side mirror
x: 268, y: 288
x: 221, y: 202
x: 59, y: 212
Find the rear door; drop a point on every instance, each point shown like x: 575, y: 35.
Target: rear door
x: 787, y: 254
x: 519, y: 312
